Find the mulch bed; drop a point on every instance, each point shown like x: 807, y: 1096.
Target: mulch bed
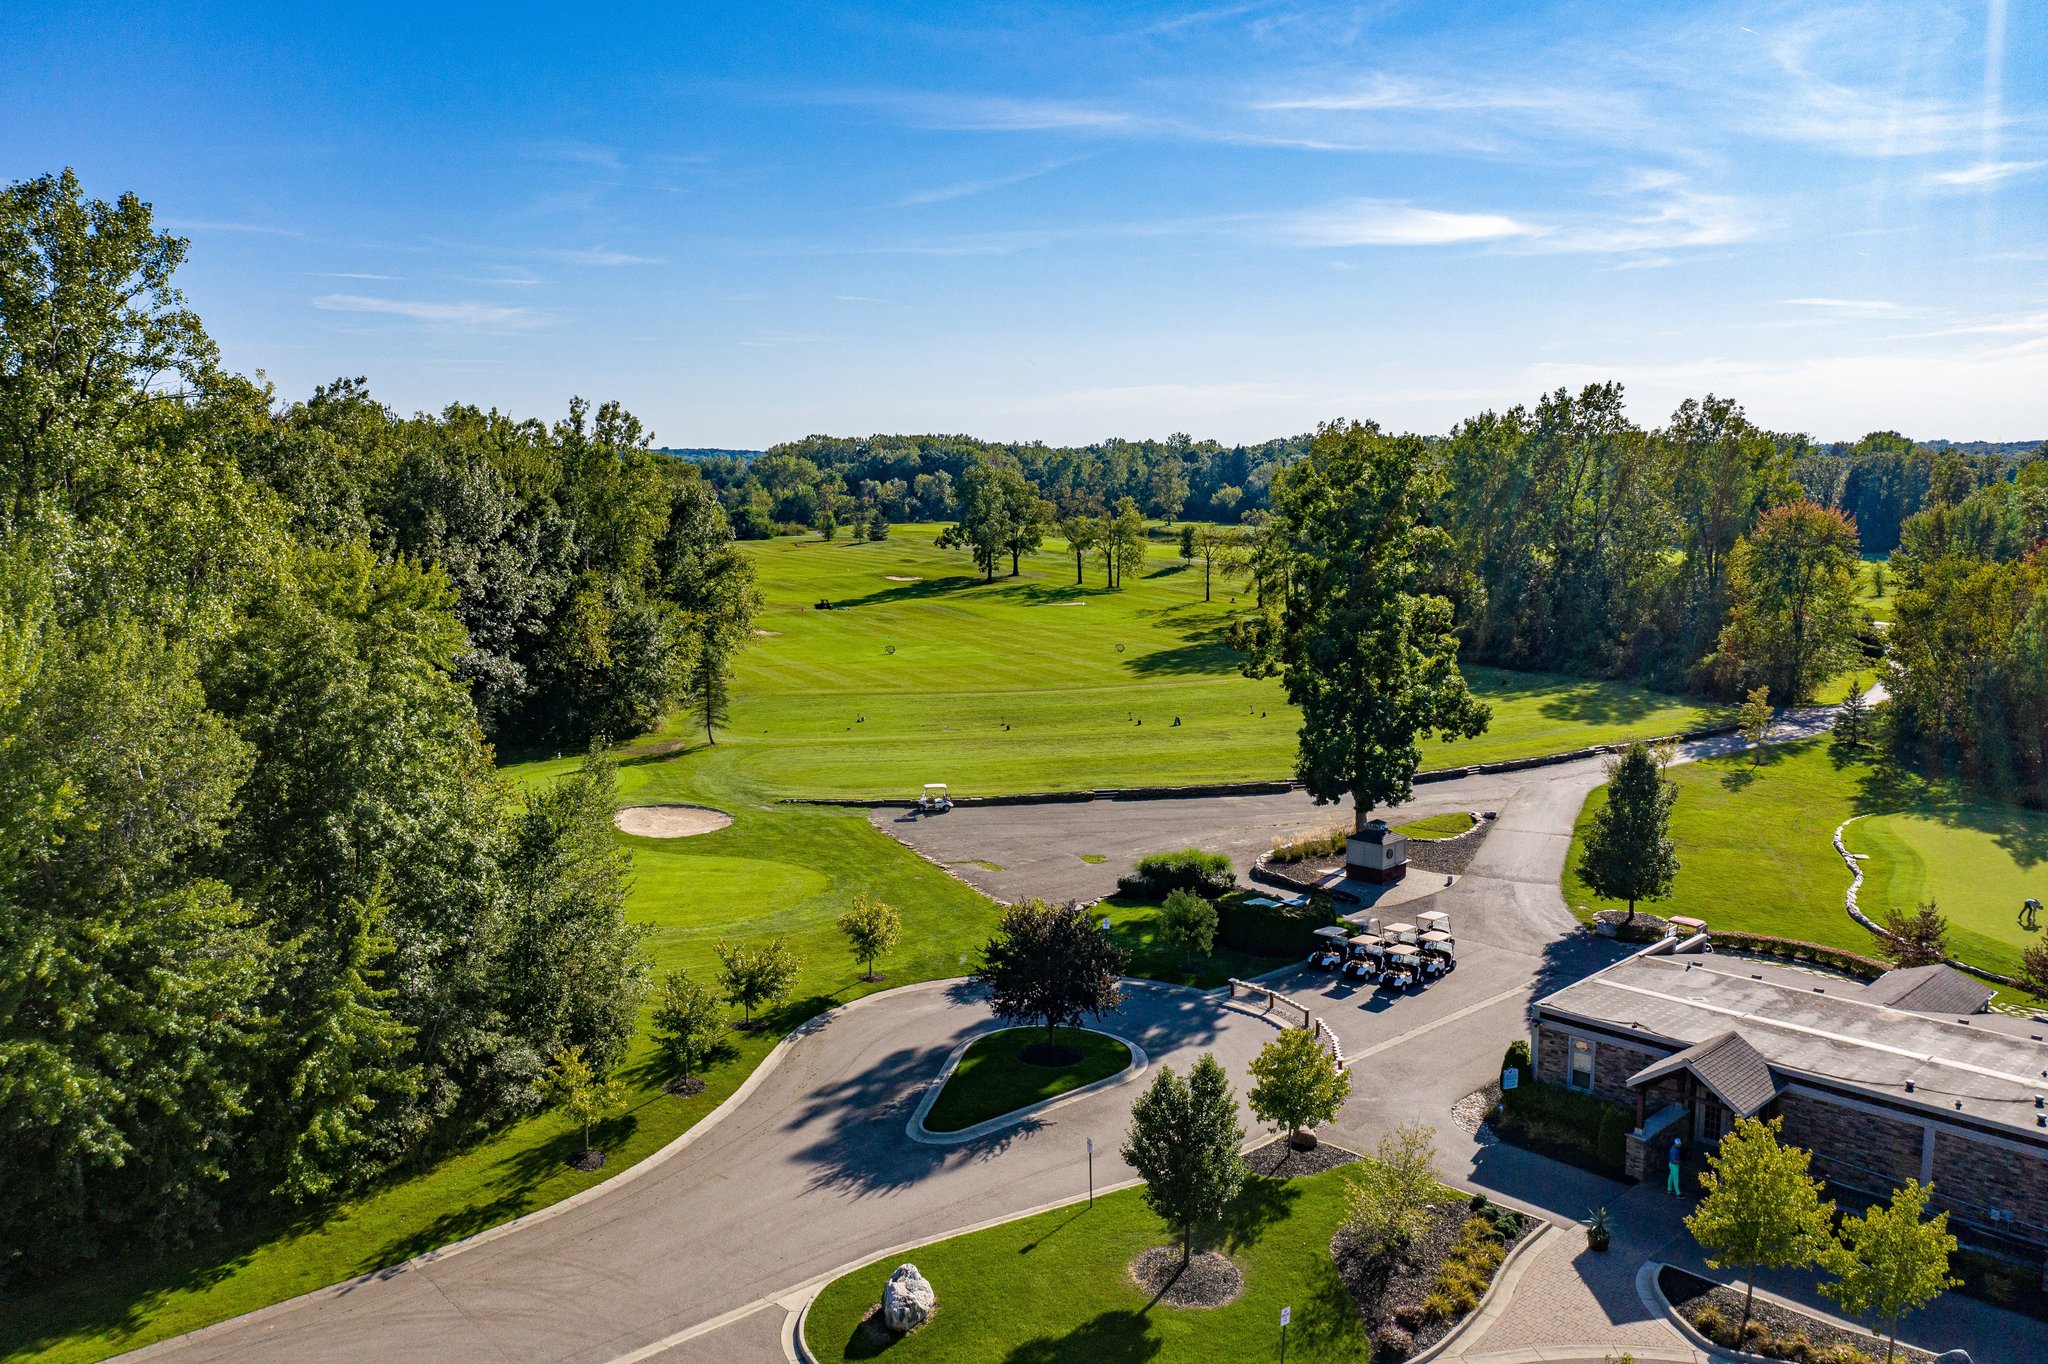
x: 588, y: 1159
x: 1379, y: 1285
x: 1208, y: 1280
x: 683, y: 1088
x: 1277, y: 1160
x: 1448, y: 856
x: 1687, y: 1293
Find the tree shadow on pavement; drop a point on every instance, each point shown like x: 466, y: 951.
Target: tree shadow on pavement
x: 1113, y: 1338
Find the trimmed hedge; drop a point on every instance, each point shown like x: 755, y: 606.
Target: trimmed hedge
x: 1160, y: 874
x: 1568, y: 1124
x: 1791, y: 949
x: 1271, y: 930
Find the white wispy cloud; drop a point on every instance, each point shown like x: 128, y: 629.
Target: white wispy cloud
x: 1675, y: 216
x: 967, y: 188
x: 854, y: 298
x: 1855, y: 307
x: 461, y: 314
x: 597, y: 255
x: 1379, y: 222
x: 1984, y: 174
x: 350, y: 274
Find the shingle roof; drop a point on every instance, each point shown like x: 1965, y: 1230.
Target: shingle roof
x: 1735, y: 1071
x: 1928, y: 990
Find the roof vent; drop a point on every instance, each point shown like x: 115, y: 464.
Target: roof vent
x: 1909, y: 1086
x: 2038, y: 1102
x: 1959, y: 1105
x: 1820, y: 989
x: 1964, y: 1021
x: 2041, y: 1121
x: 1756, y: 975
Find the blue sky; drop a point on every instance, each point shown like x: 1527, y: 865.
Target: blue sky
x: 753, y: 222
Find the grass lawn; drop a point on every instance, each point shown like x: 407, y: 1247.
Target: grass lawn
x: 1755, y: 854
x: 1438, y: 826
x: 994, y: 1078
x: 1876, y: 605
x: 922, y: 672
x: 1134, y: 926
x: 1055, y: 1287
x: 1977, y: 863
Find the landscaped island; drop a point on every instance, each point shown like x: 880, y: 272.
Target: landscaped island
x: 1014, y: 1068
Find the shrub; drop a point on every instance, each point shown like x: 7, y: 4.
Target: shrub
x: 1795, y: 1347
x: 1841, y: 1354
x: 1410, y: 1315
x: 1611, y: 1143
x: 1189, y: 921
x: 1438, y: 1306
x: 1756, y: 1338
x: 1391, y: 1342
x: 1270, y: 931
x: 1159, y: 874
x: 1480, y: 1203
x: 1518, y: 1058
x: 1566, y: 1118
x: 1709, y: 1322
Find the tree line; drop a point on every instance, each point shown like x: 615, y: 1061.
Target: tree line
x: 270, y: 922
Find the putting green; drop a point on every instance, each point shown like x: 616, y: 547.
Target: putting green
x: 920, y: 671
x: 1977, y: 863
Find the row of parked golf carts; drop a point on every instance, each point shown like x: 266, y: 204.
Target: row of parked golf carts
x: 1395, y: 957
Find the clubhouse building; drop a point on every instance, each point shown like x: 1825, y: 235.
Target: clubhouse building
x: 1905, y: 1077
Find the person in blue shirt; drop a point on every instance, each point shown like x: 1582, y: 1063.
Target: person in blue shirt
x: 1677, y: 1153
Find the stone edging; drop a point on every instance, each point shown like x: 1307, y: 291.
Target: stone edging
x: 1256, y: 788
x: 1652, y: 1295
x: 918, y: 1132
x: 1855, y: 865
x: 726, y: 1107
x: 1494, y: 1301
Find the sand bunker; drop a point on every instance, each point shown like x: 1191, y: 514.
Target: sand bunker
x: 670, y: 821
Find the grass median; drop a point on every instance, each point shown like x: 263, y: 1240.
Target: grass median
x: 1017, y: 1067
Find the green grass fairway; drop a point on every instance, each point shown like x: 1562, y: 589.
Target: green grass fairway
x: 1055, y: 1287
x: 1755, y: 852
x: 1753, y: 841
x: 993, y: 1078
x: 1978, y: 863
x: 916, y: 673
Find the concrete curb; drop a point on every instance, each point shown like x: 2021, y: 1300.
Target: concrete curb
x: 1016, y: 1117
x: 1652, y: 1295
x: 1499, y: 1294
x: 627, y: 1175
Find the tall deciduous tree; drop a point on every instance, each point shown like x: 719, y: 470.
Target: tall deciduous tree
x: 1762, y: 1209
x: 708, y: 693
x: 1891, y: 1260
x: 1049, y: 965
x: 1793, y: 621
x: 1364, y: 648
x: 1299, y: 1084
x: 1628, y: 853
x: 1183, y: 1141
x: 1127, y: 538
x: 1080, y: 531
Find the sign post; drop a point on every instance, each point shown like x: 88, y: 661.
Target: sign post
x: 1091, y: 1172
x: 1285, y: 1313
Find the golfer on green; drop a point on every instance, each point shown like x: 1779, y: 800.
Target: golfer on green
x: 1677, y: 1150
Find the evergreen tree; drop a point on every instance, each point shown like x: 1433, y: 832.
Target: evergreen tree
x: 1852, y: 722
x: 1628, y: 853
x: 1183, y: 1141
x: 1762, y: 1209
x: 1889, y: 1261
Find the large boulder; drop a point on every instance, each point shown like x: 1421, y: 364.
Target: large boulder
x: 908, y: 1300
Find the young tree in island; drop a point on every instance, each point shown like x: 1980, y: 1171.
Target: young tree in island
x: 1792, y: 622
x: 1888, y: 1261
x: 1852, y: 722
x: 871, y: 930
x: 1049, y: 965
x: 1754, y: 721
x: 1364, y: 648
x: 1183, y: 1141
x: 1762, y: 1209
x: 1388, y: 1198
x: 1189, y: 921
x: 588, y: 1096
x: 1298, y: 1083
x: 1916, y: 939
x: 707, y: 693
x: 689, y: 1022
x: 757, y: 977
x: 1629, y: 854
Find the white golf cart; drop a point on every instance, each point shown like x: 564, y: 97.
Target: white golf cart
x: 934, y: 801
x: 1328, y: 953
x: 1400, y: 967
x: 1440, y: 949
x: 1362, y: 955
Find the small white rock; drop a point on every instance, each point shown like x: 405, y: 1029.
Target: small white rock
x: 908, y: 1300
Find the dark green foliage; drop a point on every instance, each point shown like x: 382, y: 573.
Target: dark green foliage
x: 268, y: 921
x: 1564, y: 1123
x: 1628, y: 852
x: 1049, y: 965
x: 1189, y: 921
x: 1160, y: 874
x: 1518, y: 1057
x: 1270, y: 930
x: 1183, y: 1141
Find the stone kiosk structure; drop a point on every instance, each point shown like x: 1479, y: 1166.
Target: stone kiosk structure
x: 1376, y: 853
x: 1903, y: 1078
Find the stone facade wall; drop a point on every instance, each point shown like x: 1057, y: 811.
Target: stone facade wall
x: 1977, y: 1176
x: 1613, y: 1063
x: 1862, y: 1149
x: 1550, y: 1056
